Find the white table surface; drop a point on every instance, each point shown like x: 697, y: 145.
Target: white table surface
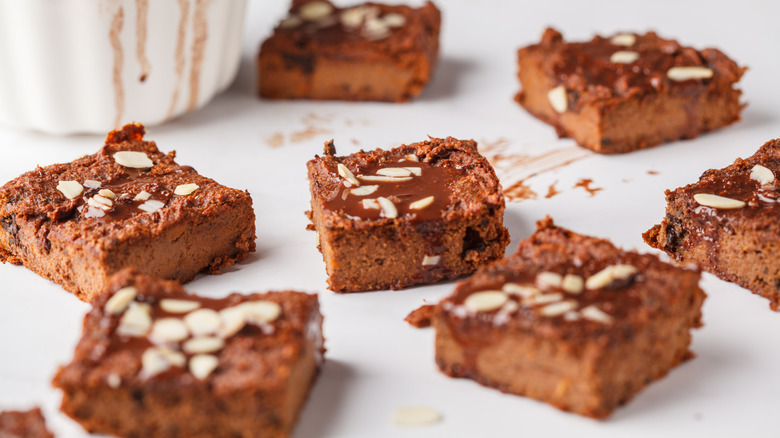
x: 375, y: 361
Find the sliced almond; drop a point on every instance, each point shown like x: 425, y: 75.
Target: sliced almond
x: 510, y: 307
x: 347, y: 175
x: 153, y: 362
x: 136, y: 321
x: 623, y: 39
x: 143, y: 195
x: 354, y: 17
x: 523, y: 290
x: 120, y: 300
x: 421, y: 203
x: 103, y: 200
x: 410, y: 416
x: 543, y: 298
x: 171, y: 305
x: 314, y: 11
x: 688, y: 73
x: 375, y: 29
x: 381, y: 178
x: 92, y: 202
x: 547, y: 280
x: 106, y: 193
x: 185, y: 189
x: 431, y: 260
x: 558, y: 308
x: 394, y: 171
x: 485, y: 301
x: 114, y: 381
x: 719, y: 202
x: 261, y: 311
x: 92, y: 184
x: 203, y: 322
x: 411, y: 157
x: 762, y: 174
x: 572, y: 283
x: 595, y: 314
x: 611, y: 273
x: 232, y: 321
x: 558, y: 99
x: 370, y: 204
x: 416, y: 171
x: 202, y: 365
x: 291, y: 22
x: 388, y: 208
x: 151, y: 206
x: 133, y: 159
x: 394, y: 20
x: 624, y: 57
x: 168, y: 330
x: 363, y: 190
x: 206, y: 344
x: 71, y: 189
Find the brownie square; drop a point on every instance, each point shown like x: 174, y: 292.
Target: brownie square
x: 27, y: 424
x: 156, y: 361
x: 369, y: 51
x: 629, y: 91
x: 569, y: 320
x: 419, y: 213
x: 127, y: 205
x: 727, y: 223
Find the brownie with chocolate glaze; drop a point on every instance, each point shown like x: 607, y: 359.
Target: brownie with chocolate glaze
x: 127, y: 205
x: 415, y: 214
x: 569, y: 320
x: 369, y: 51
x: 727, y: 223
x: 154, y: 360
x: 629, y: 91
x: 27, y: 424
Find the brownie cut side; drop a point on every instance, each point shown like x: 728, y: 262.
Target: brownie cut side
x: 727, y: 223
x: 156, y: 361
x: 569, y: 320
x: 369, y: 51
x: 416, y: 214
x: 127, y: 205
x: 629, y: 91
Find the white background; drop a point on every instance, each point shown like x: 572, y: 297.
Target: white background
x: 375, y: 362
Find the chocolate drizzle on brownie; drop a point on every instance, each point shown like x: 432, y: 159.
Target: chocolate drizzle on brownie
x: 417, y: 191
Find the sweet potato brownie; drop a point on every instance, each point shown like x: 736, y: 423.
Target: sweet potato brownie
x: 627, y: 92
x: 28, y: 424
x: 727, y: 223
x: 364, y: 52
x: 569, y: 320
x: 156, y: 361
x: 127, y: 205
x: 419, y: 213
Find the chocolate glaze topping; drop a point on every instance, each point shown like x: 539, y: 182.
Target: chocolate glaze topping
x: 432, y: 181
x: 586, y: 70
x: 136, y: 345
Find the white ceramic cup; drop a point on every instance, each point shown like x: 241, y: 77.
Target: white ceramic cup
x: 90, y: 66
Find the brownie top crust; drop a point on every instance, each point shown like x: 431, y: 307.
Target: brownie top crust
x: 561, y: 284
x: 365, y: 31
x: 439, y: 179
x: 631, y: 65
x: 745, y: 194
x: 129, y: 189
x: 145, y: 329
x: 27, y: 424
